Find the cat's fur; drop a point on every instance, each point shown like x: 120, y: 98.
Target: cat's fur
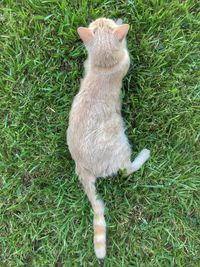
x: 95, y: 135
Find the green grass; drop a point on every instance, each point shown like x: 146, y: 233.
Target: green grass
x: 153, y: 216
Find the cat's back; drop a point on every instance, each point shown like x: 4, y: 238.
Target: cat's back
x: 93, y: 118
x: 93, y: 105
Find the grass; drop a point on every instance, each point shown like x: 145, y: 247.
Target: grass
x: 153, y: 216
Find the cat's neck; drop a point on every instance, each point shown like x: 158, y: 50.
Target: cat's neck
x: 118, y: 66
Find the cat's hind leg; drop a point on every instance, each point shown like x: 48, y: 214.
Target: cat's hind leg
x: 141, y: 158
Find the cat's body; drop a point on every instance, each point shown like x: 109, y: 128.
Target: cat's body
x: 95, y: 135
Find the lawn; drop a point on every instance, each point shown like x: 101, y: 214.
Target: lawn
x: 153, y: 215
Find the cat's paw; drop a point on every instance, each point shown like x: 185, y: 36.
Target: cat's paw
x: 142, y: 157
x: 145, y: 154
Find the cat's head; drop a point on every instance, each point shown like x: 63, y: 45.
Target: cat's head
x: 105, y: 41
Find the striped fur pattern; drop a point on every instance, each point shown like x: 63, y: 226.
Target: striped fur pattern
x: 95, y: 135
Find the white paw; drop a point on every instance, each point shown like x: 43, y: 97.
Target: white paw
x: 142, y: 157
x: 145, y: 154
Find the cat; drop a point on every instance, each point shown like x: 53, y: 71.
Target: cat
x: 95, y: 135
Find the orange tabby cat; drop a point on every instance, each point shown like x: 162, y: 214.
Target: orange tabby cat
x: 95, y: 135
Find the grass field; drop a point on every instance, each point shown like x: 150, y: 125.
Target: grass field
x: 153, y: 215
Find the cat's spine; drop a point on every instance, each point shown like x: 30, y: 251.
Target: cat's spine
x: 99, y: 223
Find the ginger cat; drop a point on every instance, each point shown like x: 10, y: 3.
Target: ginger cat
x: 95, y: 135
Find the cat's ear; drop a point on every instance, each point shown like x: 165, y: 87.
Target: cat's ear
x: 85, y: 34
x: 121, y: 31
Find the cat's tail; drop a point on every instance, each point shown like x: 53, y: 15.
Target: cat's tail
x: 99, y: 224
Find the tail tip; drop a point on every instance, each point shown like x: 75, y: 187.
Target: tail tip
x: 100, y: 253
